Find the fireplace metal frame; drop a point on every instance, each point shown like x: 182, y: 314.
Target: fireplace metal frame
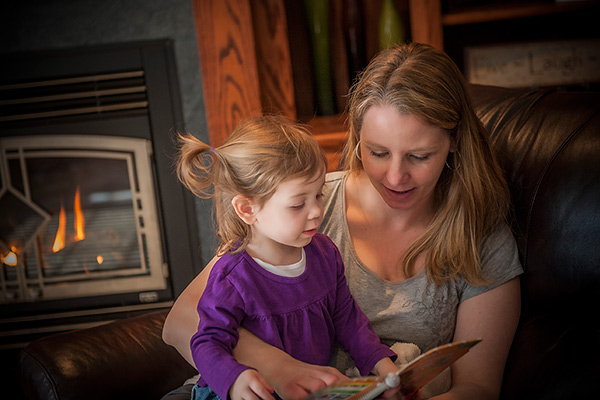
x: 151, y: 274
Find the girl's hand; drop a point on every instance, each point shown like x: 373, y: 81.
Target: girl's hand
x: 291, y: 379
x: 297, y: 380
x: 250, y: 385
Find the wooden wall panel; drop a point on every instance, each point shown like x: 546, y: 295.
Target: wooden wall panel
x: 273, y: 57
x: 228, y: 62
x: 245, y: 60
x: 426, y: 22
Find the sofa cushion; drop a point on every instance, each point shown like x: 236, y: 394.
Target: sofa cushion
x: 122, y: 359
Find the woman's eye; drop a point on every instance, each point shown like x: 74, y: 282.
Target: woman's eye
x: 420, y: 158
x: 378, y: 154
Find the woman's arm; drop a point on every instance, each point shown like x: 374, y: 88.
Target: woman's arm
x: 182, y: 320
x: 492, y: 316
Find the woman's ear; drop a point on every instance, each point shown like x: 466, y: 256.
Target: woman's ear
x: 245, y: 208
x: 452, y: 144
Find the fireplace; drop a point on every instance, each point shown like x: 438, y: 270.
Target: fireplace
x: 78, y: 218
x: 93, y: 223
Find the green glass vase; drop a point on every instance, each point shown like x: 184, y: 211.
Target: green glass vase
x: 317, y: 15
x: 391, y: 29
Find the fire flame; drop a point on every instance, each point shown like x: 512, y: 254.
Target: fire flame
x: 79, y: 219
x: 59, y: 240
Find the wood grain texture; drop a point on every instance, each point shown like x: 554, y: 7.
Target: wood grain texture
x: 426, y: 22
x: 228, y: 62
x: 273, y: 57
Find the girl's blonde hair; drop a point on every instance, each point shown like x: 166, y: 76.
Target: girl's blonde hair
x: 472, y: 197
x: 260, y: 154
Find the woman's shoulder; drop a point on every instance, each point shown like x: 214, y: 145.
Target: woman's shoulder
x: 500, y: 255
x: 335, y: 175
x: 501, y: 237
x: 335, y: 178
x: 334, y: 185
x: 333, y: 199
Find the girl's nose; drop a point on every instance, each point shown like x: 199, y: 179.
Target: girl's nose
x: 315, y: 211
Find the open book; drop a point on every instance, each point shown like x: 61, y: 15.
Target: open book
x: 411, y: 377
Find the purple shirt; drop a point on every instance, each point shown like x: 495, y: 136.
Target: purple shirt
x: 302, y: 315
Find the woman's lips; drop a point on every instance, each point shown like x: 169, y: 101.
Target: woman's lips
x: 399, y: 194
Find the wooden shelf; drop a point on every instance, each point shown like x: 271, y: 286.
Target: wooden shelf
x: 474, y: 15
x: 331, y: 133
x: 428, y: 21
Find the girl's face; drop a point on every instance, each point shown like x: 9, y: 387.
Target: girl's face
x: 290, y: 218
x: 403, y: 156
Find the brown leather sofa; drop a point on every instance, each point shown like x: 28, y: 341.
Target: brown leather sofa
x: 548, y: 142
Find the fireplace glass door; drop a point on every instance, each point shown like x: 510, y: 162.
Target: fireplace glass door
x: 78, y: 218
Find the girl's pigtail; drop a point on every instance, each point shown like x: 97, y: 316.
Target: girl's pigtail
x: 195, y: 166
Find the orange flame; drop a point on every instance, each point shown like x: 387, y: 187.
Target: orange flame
x: 59, y: 240
x: 79, y: 219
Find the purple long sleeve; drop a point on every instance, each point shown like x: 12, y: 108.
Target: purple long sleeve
x: 301, y: 315
x: 221, y: 312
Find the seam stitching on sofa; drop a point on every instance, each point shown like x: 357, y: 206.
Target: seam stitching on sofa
x: 47, y: 374
x: 543, y: 175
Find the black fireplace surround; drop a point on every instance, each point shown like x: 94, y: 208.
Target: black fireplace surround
x: 109, y: 95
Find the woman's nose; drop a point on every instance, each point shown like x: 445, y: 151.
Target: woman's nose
x: 397, y: 173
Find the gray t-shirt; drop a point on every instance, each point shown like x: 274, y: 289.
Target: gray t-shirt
x: 414, y: 310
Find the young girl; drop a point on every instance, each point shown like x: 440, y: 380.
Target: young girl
x: 276, y: 276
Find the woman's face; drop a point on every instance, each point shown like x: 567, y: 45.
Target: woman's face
x: 403, y: 156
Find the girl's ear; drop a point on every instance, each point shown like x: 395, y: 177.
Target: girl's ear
x: 245, y: 208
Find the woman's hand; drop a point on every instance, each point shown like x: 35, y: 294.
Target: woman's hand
x: 250, y: 385
x: 384, y: 367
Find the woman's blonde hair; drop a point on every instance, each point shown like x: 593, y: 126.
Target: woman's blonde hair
x: 472, y: 197
x: 260, y: 154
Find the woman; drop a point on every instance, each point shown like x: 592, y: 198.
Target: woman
x: 419, y: 218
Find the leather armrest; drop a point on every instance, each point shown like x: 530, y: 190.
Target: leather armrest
x: 122, y: 359
x: 553, y: 356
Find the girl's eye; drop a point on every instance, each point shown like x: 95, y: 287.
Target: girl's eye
x: 298, y: 206
x: 319, y: 195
